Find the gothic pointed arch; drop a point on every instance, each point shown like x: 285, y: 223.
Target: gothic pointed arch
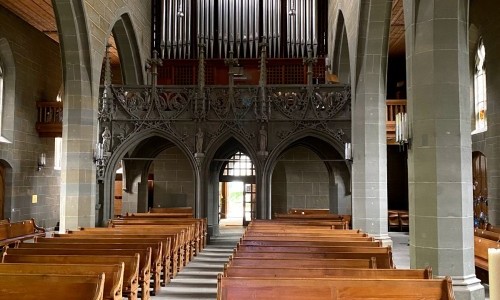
x: 341, y: 61
x: 140, y: 151
x: 128, y: 50
x: 7, y: 92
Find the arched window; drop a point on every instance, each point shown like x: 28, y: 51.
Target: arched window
x: 480, y: 97
x: 239, y: 165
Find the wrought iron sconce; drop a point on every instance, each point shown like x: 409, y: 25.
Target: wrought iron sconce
x: 99, y: 154
x: 403, y: 131
x: 348, y: 152
x: 42, y: 161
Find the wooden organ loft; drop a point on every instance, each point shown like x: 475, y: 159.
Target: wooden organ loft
x: 231, y: 31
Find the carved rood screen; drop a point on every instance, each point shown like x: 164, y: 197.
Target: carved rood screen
x: 197, y: 115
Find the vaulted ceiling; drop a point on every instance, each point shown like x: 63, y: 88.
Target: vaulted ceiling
x: 40, y: 14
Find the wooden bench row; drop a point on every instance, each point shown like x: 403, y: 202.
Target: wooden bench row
x: 11, y: 233
x: 285, y: 260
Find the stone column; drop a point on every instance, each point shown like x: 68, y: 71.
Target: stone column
x: 439, y: 160
x: 369, y: 169
x: 78, y: 174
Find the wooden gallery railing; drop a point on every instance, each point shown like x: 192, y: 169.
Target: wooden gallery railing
x: 393, y: 108
x: 49, y: 120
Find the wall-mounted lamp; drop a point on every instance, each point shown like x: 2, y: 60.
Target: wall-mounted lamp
x: 42, y: 161
x: 403, y: 132
x: 98, y: 154
x: 348, y: 151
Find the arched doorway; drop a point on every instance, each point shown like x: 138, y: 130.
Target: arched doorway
x: 237, y: 190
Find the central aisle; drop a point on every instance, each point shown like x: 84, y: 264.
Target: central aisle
x: 198, y: 280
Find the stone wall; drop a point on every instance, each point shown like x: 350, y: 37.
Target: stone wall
x: 34, y: 75
x: 300, y: 180
x: 173, y: 179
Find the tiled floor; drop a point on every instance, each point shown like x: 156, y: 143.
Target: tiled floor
x: 198, y: 281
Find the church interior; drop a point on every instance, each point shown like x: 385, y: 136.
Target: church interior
x: 235, y: 144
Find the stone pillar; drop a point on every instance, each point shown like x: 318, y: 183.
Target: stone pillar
x: 439, y: 160
x: 78, y: 174
x: 369, y: 169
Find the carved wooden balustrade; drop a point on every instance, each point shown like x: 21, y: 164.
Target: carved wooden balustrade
x: 49, y: 122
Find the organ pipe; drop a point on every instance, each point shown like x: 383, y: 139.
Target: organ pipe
x: 237, y: 27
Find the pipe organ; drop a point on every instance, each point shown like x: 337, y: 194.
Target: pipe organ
x: 291, y: 27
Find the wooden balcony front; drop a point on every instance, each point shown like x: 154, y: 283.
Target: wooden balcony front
x: 49, y: 122
x: 393, y: 108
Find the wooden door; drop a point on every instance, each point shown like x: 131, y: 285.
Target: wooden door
x: 480, y: 189
x: 2, y: 192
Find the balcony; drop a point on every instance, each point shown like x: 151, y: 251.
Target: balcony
x: 49, y: 123
x: 393, y: 108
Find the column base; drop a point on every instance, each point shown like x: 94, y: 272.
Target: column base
x: 384, y: 238
x: 468, y: 288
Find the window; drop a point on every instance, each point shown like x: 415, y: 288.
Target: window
x: 480, y: 97
x: 239, y: 165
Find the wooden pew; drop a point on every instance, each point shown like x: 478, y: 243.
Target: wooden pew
x: 186, y: 210
x: 156, y: 254
x: 130, y: 274
x: 481, y: 246
x: 494, y: 236
x: 113, y: 241
x: 51, y: 286
x: 308, y: 211
x: 204, y: 221
x: 11, y: 233
x: 298, y: 243
x: 177, y: 249
x: 493, y: 228
x: 113, y: 274
x: 384, y: 260
x: 178, y: 235
x: 364, y: 263
x: 196, y: 242
x: 144, y: 262
x: 234, y: 271
x: 332, y: 288
x: 304, y: 237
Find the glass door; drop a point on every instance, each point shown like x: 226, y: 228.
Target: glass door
x: 249, y: 203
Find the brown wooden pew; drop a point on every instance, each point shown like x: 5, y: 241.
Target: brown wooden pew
x: 196, y: 243
x: 186, y: 210
x: 364, y: 263
x: 332, y: 288
x: 113, y: 274
x: 481, y: 246
x: 308, y: 211
x: 304, y: 237
x: 51, y: 286
x: 298, y: 243
x: 142, y: 216
x: 234, y: 271
x: 494, y: 236
x: 156, y: 254
x: 11, y: 233
x: 177, y: 234
x: 144, y: 262
x: 384, y: 260
x: 194, y: 236
x: 130, y: 276
x: 114, y: 240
